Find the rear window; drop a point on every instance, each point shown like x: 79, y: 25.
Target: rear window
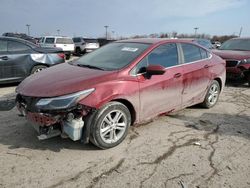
x: 91, y: 40
x: 64, y: 41
x: 77, y: 39
x: 50, y: 40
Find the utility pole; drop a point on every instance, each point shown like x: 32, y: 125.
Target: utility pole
x: 106, y: 27
x: 195, y: 31
x: 58, y: 32
x: 28, y: 26
x: 240, y: 31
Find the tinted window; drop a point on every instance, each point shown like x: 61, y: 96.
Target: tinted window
x: 91, y: 40
x: 113, y: 56
x: 64, y: 41
x: 191, y: 53
x: 3, y: 46
x: 49, y: 40
x: 77, y: 39
x: 165, y: 55
x: 16, y: 46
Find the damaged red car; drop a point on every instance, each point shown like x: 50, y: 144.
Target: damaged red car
x: 236, y: 53
x: 97, y: 97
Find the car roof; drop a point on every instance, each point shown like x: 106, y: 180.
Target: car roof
x: 244, y: 38
x: 56, y: 37
x: 18, y: 39
x: 155, y: 40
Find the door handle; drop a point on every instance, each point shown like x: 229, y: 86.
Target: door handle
x: 4, y: 58
x: 206, y: 66
x: 177, y: 75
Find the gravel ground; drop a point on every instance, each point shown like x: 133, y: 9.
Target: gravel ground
x: 194, y: 147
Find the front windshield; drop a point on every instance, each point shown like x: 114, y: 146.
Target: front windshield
x: 113, y: 56
x: 236, y: 44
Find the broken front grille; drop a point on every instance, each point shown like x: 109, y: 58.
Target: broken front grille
x: 231, y: 63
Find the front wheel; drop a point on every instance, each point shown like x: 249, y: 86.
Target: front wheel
x: 212, y: 95
x: 110, y: 125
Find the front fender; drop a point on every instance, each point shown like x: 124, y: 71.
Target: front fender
x: 112, y: 90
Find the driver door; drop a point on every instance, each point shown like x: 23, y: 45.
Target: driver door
x: 160, y: 93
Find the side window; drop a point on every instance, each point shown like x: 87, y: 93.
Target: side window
x: 191, y: 53
x: 165, y: 55
x: 204, y: 54
x: 17, y: 46
x: 3, y: 46
x: 49, y: 40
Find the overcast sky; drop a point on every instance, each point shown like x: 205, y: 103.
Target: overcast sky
x: 125, y: 17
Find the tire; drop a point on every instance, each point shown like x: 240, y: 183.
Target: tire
x: 247, y: 76
x: 212, y: 95
x: 37, y: 69
x: 78, y: 51
x: 110, y: 125
x: 67, y: 56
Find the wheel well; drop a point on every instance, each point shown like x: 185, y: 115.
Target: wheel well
x: 130, y: 108
x: 220, y: 82
x: 38, y: 65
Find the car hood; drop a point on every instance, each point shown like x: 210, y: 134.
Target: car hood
x: 232, y: 54
x: 63, y: 79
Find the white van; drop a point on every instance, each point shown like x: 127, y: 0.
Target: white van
x: 65, y: 43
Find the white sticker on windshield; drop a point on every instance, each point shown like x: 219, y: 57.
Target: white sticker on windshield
x: 128, y: 49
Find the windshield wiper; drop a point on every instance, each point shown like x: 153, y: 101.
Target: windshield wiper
x: 90, y: 66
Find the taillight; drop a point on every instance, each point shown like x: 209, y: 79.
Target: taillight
x: 61, y: 55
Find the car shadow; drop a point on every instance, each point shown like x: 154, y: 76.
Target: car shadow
x: 237, y: 83
x: 16, y: 132
x: 224, y: 124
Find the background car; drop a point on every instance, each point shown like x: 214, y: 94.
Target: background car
x: 83, y: 45
x: 21, y: 36
x: 120, y: 84
x: 65, y: 43
x: 216, y: 44
x: 236, y: 52
x: 20, y: 58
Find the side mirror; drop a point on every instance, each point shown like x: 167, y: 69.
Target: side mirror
x: 155, y: 70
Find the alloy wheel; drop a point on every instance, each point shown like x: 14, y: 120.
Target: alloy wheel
x: 113, y: 126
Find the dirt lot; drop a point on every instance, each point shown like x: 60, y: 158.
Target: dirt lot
x: 192, y: 148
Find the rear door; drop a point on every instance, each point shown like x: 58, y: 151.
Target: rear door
x: 19, y: 61
x: 160, y: 93
x: 196, y: 75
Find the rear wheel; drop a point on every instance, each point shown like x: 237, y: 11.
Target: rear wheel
x: 110, y: 125
x: 78, y: 51
x: 67, y: 56
x: 38, y: 68
x: 212, y: 95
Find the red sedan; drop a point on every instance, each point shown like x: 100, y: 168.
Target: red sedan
x: 98, y: 96
x: 236, y: 53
